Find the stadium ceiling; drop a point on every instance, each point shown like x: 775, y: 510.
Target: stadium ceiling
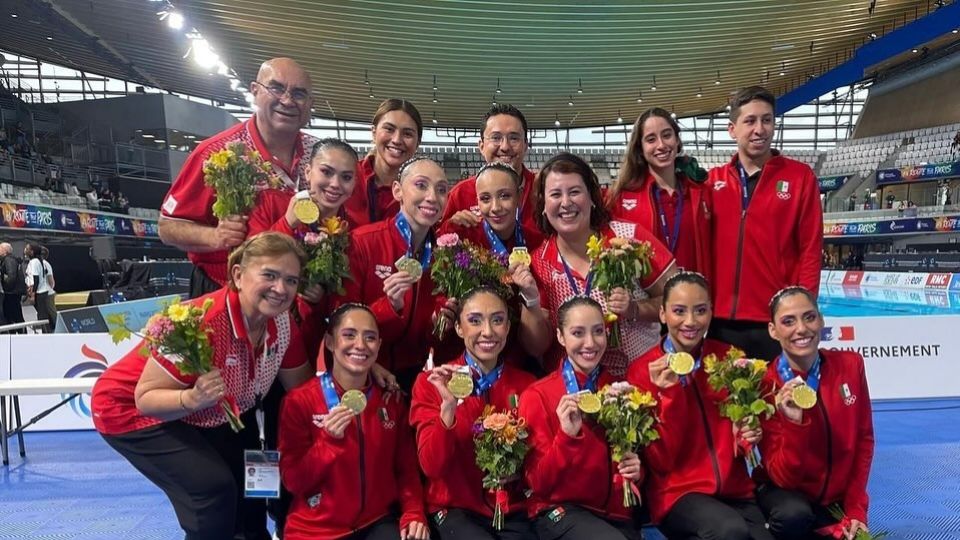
x: 540, y: 54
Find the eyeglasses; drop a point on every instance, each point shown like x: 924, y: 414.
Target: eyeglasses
x: 512, y: 139
x: 299, y: 95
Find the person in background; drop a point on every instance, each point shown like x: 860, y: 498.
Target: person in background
x: 39, y: 282
x: 767, y: 226
x: 397, y: 130
x: 818, y: 446
x: 52, y: 293
x: 282, y: 97
x: 14, y: 285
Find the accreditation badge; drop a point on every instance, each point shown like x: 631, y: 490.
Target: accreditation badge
x: 261, y: 477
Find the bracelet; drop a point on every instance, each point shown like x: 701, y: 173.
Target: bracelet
x: 530, y: 302
x: 182, y: 406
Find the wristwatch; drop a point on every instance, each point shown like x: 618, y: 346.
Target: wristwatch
x: 530, y: 302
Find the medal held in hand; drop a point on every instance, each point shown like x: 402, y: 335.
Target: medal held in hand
x: 410, y: 266
x: 354, y: 400
x: 804, y: 396
x: 519, y: 255
x: 681, y: 363
x: 306, y: 210
x: 460, y: 385
x: 588, y: 402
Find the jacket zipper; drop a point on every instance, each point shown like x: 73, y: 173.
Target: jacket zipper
x: 736, y: 277
x: 706, y: 427
x: 413, y: 312
x: 363, y: 469
x: 826, y: 478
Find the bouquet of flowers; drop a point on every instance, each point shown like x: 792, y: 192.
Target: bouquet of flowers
x: 177, y: 332
x: 740, y: 379
x: 617, y: 262
x: 843, y: 523
x: 327, y: 262
x: 460, y: 265
x: 500, y: 443
x: 234, y: 173
x: 628, y: 415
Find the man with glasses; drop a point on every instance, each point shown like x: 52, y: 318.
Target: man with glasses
x: 503, y: 139
x: 282, y: 100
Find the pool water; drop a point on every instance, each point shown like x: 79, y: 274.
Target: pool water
x: 839, y: 301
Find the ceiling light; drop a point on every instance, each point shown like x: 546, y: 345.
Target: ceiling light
x: 160, y: 141
x: 434, y: 96
x: 914, y: 50
x: 494, y: 100
x: 700, y: 92
x: 639, y: 96
x: 175, y: 20
x: 203, y: 55
x: 50, y: 38
x: 434, y: 84
x: 366, y: 78
x: 570, y: 101
x: 371, y: 93
x: 717, y: 82
x: 579, y: 86
x: 14, y: 15
x: 654, y: 85
x: 619, y: 117
x: 728, y: 108
x: 147, y: 136
x: 954, y: 31
x: 673, y: 114
x: 498, y: 85
x: 434, y: 117
x: 783, y: 68
x: 872, y: 36
x: 556, y: 120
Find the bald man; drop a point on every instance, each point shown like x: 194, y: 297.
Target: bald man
x: 282, y: 100
x: 14, y: 285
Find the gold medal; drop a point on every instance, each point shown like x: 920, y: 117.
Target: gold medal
x: 588, y: 402
x: 519, y: 255
x: 306, y: 211
x: 460, y: 385
x: 354, y: 400
x: 681, y: 363
x: 410, y: 266
x: 804, y: 396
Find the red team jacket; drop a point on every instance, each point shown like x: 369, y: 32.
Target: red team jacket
x: 638, y: 206
x: 358, y: 205
x: 341, y: 485
x: 564, y: 470
x: 447, y: 455
x: 696, y: 449
x: 776, y: 242
x: 827, y: 457
x: 463, y: 196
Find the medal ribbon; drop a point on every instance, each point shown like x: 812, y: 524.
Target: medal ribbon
x: 570, y: 378
x: 496, y: 244
x: 485, y: 382
x: 671, y: 239
x: 407, y: 233
x: 786, y: 372
x: 668, y: 347
x: 745, y: 192
x: 573, y: 282
x: 330, y: 394
x: 372, y: 198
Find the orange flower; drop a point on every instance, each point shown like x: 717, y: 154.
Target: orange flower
x: 333, y: 225
x: 496, y: 421
x: 509, y: 433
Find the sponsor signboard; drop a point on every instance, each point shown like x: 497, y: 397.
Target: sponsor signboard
x: 942, y: 224
x: 918, y: 173
x: 832, y: 183
x: 46, y: 218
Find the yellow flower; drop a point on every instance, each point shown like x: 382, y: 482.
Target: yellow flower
x: 594, y: 246
x: 219, y: 159
x: 509, y: 434
x: 759, y: 366
x: 333, y: 225
x: 710, y: 363
x: 734, y: 354
x: 610, y: 317
x: 642, y: 399
x: 178, y: 312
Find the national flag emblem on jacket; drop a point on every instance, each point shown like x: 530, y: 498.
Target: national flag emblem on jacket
x: 783, y: 189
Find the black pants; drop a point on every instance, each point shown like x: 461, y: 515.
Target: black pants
x: 201, y: 284
x: 40, y: 304
x: 387, y: 528
x: 749, y: 336
x: 791, y: 515
x: 277, y: 508
x: 578, y: 523
x: 12, y: 310
x: 458, y: 523
x: 696, y: 515
x: 201, y: 472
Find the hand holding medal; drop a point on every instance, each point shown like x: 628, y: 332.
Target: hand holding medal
x: 354, y: 400
x: 461, y: 384
x: 786, y: 400
x: 304, y: 209
x: 681, y: 363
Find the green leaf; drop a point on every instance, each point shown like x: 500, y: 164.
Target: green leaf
x: 758, y: 406
x: 740, y: 384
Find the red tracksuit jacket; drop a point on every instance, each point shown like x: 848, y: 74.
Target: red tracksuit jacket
x: 447, y: 456
x: 827, y: 457
x: 358, y: 205
x: 565, y: 470
x: 638, y: 206
x: 341, y: 485
x: 774, y: 243
x: 463, y: 196
x: 696, y: 452
x: 406, y: 336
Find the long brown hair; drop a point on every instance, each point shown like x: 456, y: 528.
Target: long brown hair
x: 567, y: 163
x: 395, y: 104
x: 634, y: 167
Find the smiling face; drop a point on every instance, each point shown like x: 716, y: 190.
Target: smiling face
x: 796, y: 325
x: 753, y: 129
x: 422, y: 193
x: 504, y: 140
x: 659, y: 143
x: 355, y: 342
x: 395, y: 138
x: 267, y: 285
x: 584, y: 337
x: 498, y: 198
x: 687, y: 314
x: 483, y: 324
x: 289, y: 112
x: 331, y: 178
x: 567, y: 203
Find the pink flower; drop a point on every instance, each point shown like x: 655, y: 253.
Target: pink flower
x: 448, y: 240
x: 495, y: 421
x: 311, y: 239
x: 741, y: 363
x: 158, y: 327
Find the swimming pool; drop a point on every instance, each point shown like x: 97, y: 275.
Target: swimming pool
x: 840, y: 301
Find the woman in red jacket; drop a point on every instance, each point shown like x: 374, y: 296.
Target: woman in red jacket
x: 346, y: 451
x: 390, y: 265
x: 569, y: 210
x: 698, y: 487
x: 663, y: 191
x: 575, y: 494
x: 456, y: 498
x: 818, y: 446
x: 397, y: 130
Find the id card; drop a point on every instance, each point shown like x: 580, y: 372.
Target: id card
x: 261, y: 474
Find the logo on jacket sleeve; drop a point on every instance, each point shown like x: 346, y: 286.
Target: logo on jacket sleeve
x: 783, y: 190
x: 719, y: 184
x: 383, y: 271
x: 848, y: 397
x: 628, y: 204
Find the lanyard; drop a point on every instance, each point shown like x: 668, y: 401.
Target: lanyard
x: 668, y: 347
x: 496, y: 244
x: 786, y: 373
x: 372, y: 198
x: 671, y: 239
x: 486, y: 381
x: 407, y: 233
x: 573, y: 282
x: 745, y: 192
x: 570, y: 378
x: 261, y: 423
x: 330, y: 394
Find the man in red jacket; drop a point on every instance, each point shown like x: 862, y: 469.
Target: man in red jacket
x: 503, y: 138
x: 767, y: 227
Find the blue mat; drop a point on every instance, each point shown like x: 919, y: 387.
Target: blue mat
x: 72, y: 486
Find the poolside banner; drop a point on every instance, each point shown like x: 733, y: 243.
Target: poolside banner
x: 852, y: 280
x: 942, y: 224
x: 832, y: 183
x: 51, y: 218
x: 919, y: 173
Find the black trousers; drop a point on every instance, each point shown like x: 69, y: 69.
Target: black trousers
x: 43, y: 314
x: 791, y: 515
x: 201, y: 472
x: 578, y: 523
x: 387, y: 528
x: 12, y: 310
x: 696, y: 515
x: 749, y: 336
x: 201, y: 284
x: 457, y: 523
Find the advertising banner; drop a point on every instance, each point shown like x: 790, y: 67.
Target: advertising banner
x: 832, y: 183
x: 47, y: 218
x: 918, y: 173
x: 893, y: 226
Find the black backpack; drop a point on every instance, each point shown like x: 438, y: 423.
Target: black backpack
x: 18, y: 283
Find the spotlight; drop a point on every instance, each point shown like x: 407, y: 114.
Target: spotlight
x: 717, y: 82
x: 498, y: 85
x: 700, y: 92
x: 556, y: 120
x: 579, y: 86
x: 434, y: 96
x: 639, y: 96
x: 619, y: 117
x: 434, y: 84
x: 175, y: 20
x: 654, y: 85
x: 570, y: 101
